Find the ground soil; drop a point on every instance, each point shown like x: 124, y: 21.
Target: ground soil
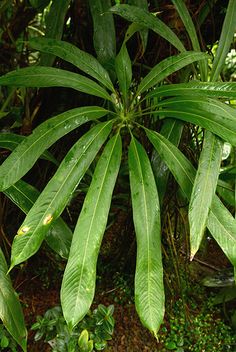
x: 129, y: 334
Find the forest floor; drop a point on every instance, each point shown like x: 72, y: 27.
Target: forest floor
x: 129, y: 335
x: 38, y: 283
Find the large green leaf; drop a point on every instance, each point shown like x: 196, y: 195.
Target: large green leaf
x: 216, y: 89
x: 25, y: 155
x: 59, y: 235
x: 204, y: 189
x: 104, y: 37
x: 168, y: 66
x: 220, y: 223
x: 37, y: 76
x: 148, y: 20
x: 78, y: 283
x: 75, y: 56
x: 172, y: 130
x: 57, y: 193
x: 190, y: 28
x: 149, y: 288
x: 54, y: 21
x: 211, y: 114
x: 123, y: 68
x: 226, y: 38
x: 10, y: 141
x: 10, y: 309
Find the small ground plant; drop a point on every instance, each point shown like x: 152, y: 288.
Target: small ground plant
x: 91, y: 334
x: 202, y: 331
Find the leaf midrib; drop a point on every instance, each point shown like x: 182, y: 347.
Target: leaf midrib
x: 162, y: 71
x: 91, y: 223
x: 96, y: 73
x: 201, y: 208
x: 42, y: 136
x: 147, y: 232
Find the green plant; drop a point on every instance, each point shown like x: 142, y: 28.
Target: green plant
x: 126, y: 115
x: 203, y: 332
x: 7, y: 343
x: 92, y: 333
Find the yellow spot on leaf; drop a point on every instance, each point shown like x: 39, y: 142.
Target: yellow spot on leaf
x: 47, y: 219
x: 23, y: 230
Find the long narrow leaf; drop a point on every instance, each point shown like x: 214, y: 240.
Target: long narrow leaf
x: 190, y: 28
x: 167, y: 67
x: 204, y: 189
x: 78, y: 283
x: 10, y: 141
x: 59, y: 235
x: 226, y: 37
x: 216, y: 89
x: 211, y: 114
x: 123, y: 71
x: 11, y: 312
x: 75, y: 56
x: 37, y: 76
x: 104, y: 37
x: 56, y: 194
x: 25, y: 155
x: 54, y: 26
x: 220, y: 223
x: 149, y: 288
x: 148, y: 20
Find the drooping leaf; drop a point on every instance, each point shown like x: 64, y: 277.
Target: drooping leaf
x: 39, y: 77
x: 104, y: 37
x: 54, y: 22
x: 149, y: 288
x: 172, y: 130
x: 57, y: 193
x: 216, y: 89
x: 10, y: 141
x: 226, y: 38
x: 11, y: 312
x: 123, y: 71
x: 59, y: 235
x: 25, y: 155
x: 70, y: 53
x: 78, y: 283
x: 190, y: 28
x: 220, y: 223
x: 168, y: 66
x: 211, y: 114
x: 204, y: 189
x: 148, y: 20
